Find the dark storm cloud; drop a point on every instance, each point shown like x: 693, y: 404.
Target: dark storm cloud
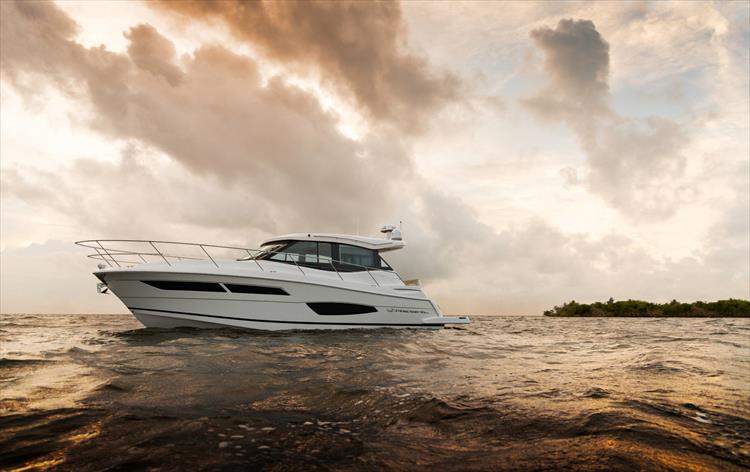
x: 356, y: 47
x: 577, y: 65
x: 632, y: 163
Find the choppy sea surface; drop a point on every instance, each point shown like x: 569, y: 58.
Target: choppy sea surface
x: 97, y: 392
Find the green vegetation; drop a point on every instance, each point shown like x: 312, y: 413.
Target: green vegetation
x: 636, y: 308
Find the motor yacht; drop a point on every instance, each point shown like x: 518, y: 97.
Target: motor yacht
x: 294, y: 281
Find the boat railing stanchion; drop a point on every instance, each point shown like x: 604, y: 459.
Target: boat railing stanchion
x: 209, y: 255
x: 371, y: 276
x: 107, y: 253
x: 101, y: 256
x: 254, y: 259
x: 286, y: 254
x: 159, y: 252
x: 337, y: 271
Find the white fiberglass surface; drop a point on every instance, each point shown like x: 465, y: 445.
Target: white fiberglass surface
x: 273, y: 269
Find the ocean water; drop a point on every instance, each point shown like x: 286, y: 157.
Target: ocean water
x: 96, y: 392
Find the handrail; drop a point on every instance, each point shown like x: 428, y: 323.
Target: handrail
x: 112, y: 256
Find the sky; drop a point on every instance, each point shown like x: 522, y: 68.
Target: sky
x: 535, y: 153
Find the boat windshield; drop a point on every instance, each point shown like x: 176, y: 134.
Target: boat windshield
x: 268, y: 251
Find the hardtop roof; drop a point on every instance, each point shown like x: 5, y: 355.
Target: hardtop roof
x: 378, y: 244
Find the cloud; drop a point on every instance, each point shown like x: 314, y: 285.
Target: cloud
x: 24, y: 48
x: 138, y: 196
x: 357, y: 48
x: 213, y: 115
x: 241, y: 155
x: 151, y: 51
x: 577, y: 64
x: 635, y: 164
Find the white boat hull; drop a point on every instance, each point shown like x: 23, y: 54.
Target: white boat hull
x: 162, y: 320
x: 303, y: 302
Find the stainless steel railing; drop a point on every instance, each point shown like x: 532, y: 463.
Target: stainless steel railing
x: 114, y: 255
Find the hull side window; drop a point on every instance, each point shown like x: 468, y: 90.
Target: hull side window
x: 330, y: 309
x: 185, y: 286
x: 238, y: 288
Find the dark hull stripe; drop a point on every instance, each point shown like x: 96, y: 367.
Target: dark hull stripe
x: 287, y: 322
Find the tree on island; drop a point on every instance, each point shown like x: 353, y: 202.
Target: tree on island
x: 637, y: 308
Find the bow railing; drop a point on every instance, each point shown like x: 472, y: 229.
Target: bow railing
x: 115, y: 253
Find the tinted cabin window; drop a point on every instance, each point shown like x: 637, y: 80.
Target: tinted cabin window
x: 300, y: 251
x: 357, y: 257
x: 319, y: 255
x: 305, y: 253
x: 325, y: 252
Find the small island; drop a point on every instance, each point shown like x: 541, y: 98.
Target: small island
x: 732, y: 308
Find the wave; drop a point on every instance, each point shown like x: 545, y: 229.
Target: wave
x: 670, y: 368
x: 8, y: 363
x: 596, y: 392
